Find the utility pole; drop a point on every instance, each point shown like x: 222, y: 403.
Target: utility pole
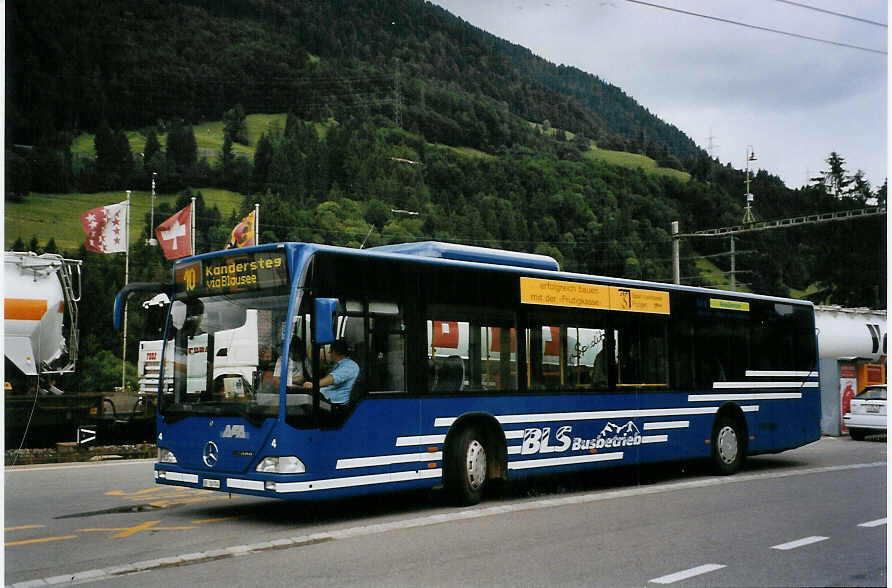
x: 126, y: 281
x: 676, y: 262
x: 748, y: 217
x: 733, y: 267
x: 152, y: 240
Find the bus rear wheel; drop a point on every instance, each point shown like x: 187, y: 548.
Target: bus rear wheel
x: 728, y: 446
x: 467, y: 467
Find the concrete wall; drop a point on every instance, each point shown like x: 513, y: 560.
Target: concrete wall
x: 830, y: 405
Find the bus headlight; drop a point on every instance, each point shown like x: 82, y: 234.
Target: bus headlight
x: 166, y: 456
x: 287, y: 464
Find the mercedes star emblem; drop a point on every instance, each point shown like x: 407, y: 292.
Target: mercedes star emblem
x: 211, y: 454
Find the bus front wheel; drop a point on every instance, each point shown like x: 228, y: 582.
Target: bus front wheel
x: 728, y: 446
x: 466, y: 467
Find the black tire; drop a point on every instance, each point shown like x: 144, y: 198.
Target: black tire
x: 857, y: 434
x: 728, y: 446
x: 466, y: 467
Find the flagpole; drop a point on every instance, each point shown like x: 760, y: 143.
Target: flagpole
x: 257, y: 223
x: 192, y: 220
x: 126, y: 280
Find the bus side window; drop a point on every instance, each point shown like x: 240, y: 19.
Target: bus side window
x: 588, y: 354
x: 471, y: 349
x: 387, y: 354
x: 642, y: 352
x: 566, y: 354
x: 721, y: 353
x: 449, y: 343
x: 377, y: 334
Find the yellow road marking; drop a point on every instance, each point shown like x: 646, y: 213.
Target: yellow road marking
x: 136, y: 529
x: 162, y: 497
x: 135, y: 492
x: 127, y: 531
x: 41, y: 540
x: 217, y: 520
x: 185, y: 500
x: 23, y: 527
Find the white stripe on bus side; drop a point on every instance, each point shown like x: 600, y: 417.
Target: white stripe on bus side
x: 380, y: 460
x: 666, y: 425
x: 353, y: 481
x: 420, y: 440
x: 559, y: 461
x: 779, y: 374
x: 655, y: 438
x: 736, y: 385
x: 757, y: 396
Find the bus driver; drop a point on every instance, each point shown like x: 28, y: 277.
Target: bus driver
x: 336, y: 386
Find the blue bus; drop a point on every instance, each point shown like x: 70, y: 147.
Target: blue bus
x: 474, y: 365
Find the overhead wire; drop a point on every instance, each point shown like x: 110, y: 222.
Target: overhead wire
x: 839, y: 14
x: 758, y: 27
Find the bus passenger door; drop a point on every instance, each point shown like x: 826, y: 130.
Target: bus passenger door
x: 642, y: 377
x: 373, y: 426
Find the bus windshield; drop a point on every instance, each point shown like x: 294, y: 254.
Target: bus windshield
x: 221, y: 350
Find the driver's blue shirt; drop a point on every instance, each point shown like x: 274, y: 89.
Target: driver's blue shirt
x: 343, y: 375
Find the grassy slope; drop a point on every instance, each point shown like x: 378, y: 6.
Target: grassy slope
x: 633, y: 160
x: 711, y: 272
x: 622, y: 158
x: 208, y: 136
x: 58, y: 215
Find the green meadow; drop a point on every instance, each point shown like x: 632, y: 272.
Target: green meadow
x: 208, y: 137
x: 633, y: 160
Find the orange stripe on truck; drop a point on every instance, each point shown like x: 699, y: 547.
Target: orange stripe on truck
x: 24, y: 309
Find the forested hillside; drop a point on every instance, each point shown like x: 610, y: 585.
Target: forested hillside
x: 390, y: 105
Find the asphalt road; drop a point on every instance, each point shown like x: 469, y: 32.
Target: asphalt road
x: 813, y: 516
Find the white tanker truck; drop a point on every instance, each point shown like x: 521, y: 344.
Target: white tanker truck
x: 852, y: 350
x: 39, y: 305
x: 851, y: 332
x: 40, y: 343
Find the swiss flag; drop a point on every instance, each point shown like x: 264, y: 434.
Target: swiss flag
x: 106, y: 228
x: 175, y: 234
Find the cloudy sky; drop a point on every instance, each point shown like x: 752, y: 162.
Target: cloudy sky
x: 793, y: 100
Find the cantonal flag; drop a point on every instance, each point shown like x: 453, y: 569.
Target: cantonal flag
x: 175, y: 234
x: 106, y: 228
x: 243, y: 233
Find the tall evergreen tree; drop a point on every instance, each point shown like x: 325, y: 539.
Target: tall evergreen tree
x: 263, y: 156
x: 152, y: 148
x: 182, y: 152
x: 234, y: 125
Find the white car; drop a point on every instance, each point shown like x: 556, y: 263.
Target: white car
x: 868, y: 413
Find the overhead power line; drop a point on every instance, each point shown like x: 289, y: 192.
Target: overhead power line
x: 783, y: 223
x: 757, y: 27
x: 839, y: 14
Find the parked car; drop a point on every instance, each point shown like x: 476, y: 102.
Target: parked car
x: 868, y: 413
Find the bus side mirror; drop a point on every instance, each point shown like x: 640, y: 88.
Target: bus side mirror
x: 325, y: 320
x: 126, y: 291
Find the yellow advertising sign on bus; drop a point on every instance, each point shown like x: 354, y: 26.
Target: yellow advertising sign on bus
x: 582, y: 295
